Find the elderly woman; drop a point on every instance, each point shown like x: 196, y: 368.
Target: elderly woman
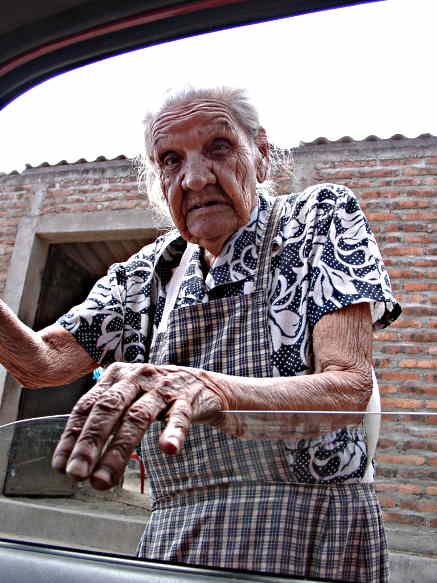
x: 252, y: 303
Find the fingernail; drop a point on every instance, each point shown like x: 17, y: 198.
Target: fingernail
x: 102, y: 479
x: 79, y: 468
x: 172, y: 445
x: 58, y: 462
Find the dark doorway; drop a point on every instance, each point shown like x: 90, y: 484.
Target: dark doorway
x: 71, y: 271
x: 65, y: 283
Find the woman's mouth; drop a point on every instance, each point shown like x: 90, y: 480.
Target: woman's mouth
x: 204, y: 205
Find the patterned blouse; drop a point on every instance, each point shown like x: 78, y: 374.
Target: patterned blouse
x: 324, y: 258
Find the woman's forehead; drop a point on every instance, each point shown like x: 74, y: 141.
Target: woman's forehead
x: 200, y: 116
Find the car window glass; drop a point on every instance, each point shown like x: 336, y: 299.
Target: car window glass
x: 347, y: 97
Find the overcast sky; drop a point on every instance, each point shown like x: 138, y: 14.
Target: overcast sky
x: 360, y: 70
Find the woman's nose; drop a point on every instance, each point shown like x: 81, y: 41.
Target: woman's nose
x: 198, y: 174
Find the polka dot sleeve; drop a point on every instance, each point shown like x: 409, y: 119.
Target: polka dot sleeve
x: 112, y: 323
x: 346, y: 266
x: 97, y: 323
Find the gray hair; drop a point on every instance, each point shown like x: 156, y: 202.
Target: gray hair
x: 237, y: 101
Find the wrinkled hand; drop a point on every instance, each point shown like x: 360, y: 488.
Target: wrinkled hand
x: 125, y: 401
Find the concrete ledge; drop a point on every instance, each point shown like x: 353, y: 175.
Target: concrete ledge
x: 412, y: 540
x: 406, y: 568
x: 108, y: 527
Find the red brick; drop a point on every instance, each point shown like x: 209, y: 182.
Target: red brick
x: 383, y: 216
x: 419, y: 171
x: 410, y: 488
x: 404, y: 323
x: 423, y: 216
x: 355, y: 163
x: 431, y: 491
x: 419, y: 444
x: 399, y: 161
x: 372, y: 194
x: 386, y: 487
x: 387, y: 501
x: 401, y: 182
x: 417, y: 473
x: 422, y: 238
x: 409, y: 460
x: 399, y: 376
x: 416, y: 363
x: 425, y: 262
x: 392, y: 403
x: 388, y: 389
x: 411, y: 204
x: 430, y: 378
x: 400, y: 349
x: 419, y: 505
x: 404, y: 250
x: 405, y: 273
x: 377, y: 173
x: 399, y: 518
x: 419, y: 336
x: 383, y: 335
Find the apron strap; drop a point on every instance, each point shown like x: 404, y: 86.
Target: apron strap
x: 174, y: 285
x: 372, y: 424
x: 265, y: 255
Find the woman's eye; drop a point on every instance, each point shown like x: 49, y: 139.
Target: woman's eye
x: 170, y: 159
x: 220, y: 146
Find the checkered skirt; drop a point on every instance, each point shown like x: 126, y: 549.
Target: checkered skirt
x: 232, y: 503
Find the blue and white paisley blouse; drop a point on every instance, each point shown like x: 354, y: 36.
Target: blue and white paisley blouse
x: 325, y: 257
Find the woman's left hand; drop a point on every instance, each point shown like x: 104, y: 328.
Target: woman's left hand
x: 123, y: 404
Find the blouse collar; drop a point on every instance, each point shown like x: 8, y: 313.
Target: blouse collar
x: 236, y: 262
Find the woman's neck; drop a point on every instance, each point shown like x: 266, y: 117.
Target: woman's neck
x: 207, y: 259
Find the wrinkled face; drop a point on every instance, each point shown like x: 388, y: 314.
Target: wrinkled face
x: 208, y: 168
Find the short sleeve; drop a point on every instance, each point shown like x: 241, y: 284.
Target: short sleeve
x: 346, y: 266
x: 97, y: 323
x: 112, y: 323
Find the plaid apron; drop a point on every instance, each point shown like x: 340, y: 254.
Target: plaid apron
x: 231, y: 503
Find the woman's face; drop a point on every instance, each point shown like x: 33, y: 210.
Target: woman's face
x: 208, y: 168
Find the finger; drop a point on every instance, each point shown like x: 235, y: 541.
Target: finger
x: 74, y: 426
x: 134, y: 424
x: 101, y: 421
x: 179, y: 418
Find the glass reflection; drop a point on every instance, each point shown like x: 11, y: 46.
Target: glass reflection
x: 41, y: 505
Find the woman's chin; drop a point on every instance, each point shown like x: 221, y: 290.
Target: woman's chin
x: 211, y: 228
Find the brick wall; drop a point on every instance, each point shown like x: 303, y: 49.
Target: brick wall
x: 15, y: 203
x: 64, y: 188
x: 395, y: 181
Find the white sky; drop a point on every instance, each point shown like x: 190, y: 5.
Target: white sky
x: 360, y: 70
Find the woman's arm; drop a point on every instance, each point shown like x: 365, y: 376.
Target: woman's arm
x: 47, y: 358
x: 342, y: 381
x: 129, y: 397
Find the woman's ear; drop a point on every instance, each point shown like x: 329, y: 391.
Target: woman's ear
x: 263, y: 158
